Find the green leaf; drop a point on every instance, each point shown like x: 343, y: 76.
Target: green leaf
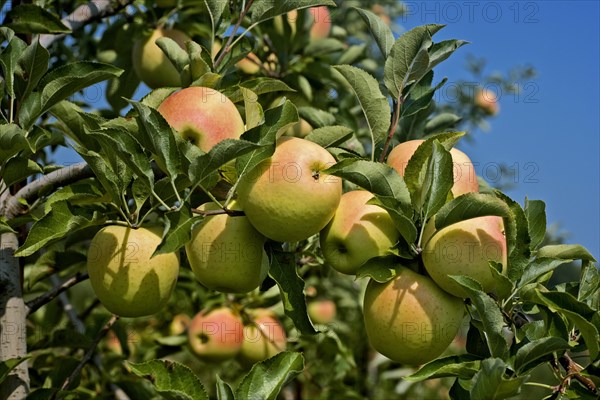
x: 535, y: 211
x: 29, y: 18
x: 490, y: 315
x: 253, y: 109
x: 33, y: 64
x: 88, y: 191
x: 9, y: 59
x: 177, y: 56
x: 12, y: 140
x: 503, y: 286
x: 61, y: 221
x: 420, y: 97
x: 215, y: 8
x: 258, y: 86
x: 441, y: 122
x: 323, y: 47
x: 408, y: 60
x: 380, y: 269
x: 157, y: 136
x: 379, y: 179
x: 490, y: 382
x: 537, y: 349
x: 265, y: 379
x: 565, y: 252
x: 353, y: 54
x: 224, y: 391
x: 539, y: 267
x: 379, y: 30
x: 440, y: 179
x: 4, y: 227
x: 315, y: 117
x: 330, y: 136
x: 171, y: 379
x: 439, y: 52
x: 589, y: 288
x: 178, y: 230
x: 404, y: 224
x: 467, y: 206
x: 7, y: 366
x: 462, y: 366
x: 291, y: 286
x: 263, y: 10
x: 19, y: 168
x: 373, y: 103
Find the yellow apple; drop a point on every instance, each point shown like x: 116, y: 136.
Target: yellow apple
x: 264, y: 337
x: 465, y: 179
x: 226, y: 253
x: 126, y: 280
x: 216, y: 335
x: 287, y: 197
x: 464, y: 248
x: 151, y: 64
x: 357, y: 233
x: 203, y: 116
x: 322, y: 311
x: 410, y: 319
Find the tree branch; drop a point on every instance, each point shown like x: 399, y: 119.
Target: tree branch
x: 573, y: 370
x: 94, y: 11
x: 226, y: 48
x: 392, y: 131
x: 33, y: 305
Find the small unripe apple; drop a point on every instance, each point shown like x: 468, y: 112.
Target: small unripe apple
x: 152, y: 66
x: 287, y: 197
x: 465, y: 178
x: 179, y: 324
x: 300, y: 129
x: 216, y: 335
x: 264, y: 337
x: 357, y: 233
x: 320, y: 22
x: 464, y: 248
x: 322, y: 311
x: 124, y: 276
x: 410, y: 319
x: 487, y: 101
x: 226, y: 253
x: 203, y: 116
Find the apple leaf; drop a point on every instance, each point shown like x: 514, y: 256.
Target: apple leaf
x: 33, y: 64
x: 491, y: 383
x: 9, y: 58
x: 374, y: 104
x: 404, y: 224
x: 266, y: 378
x: 157, y: 136
x: 379, y: 179
x: 535, y: 211
x: 463, y: 366
x: 441, y: 122
x: 258, y: 86
x: 171, y: 379
x: 263, y: 10
x: 589, y: 289
x: 380, y: 269
x: 353, y: 54
x: 439, y: 179
x: 215, y: 8
x: 408, y: 59
x: 283, y: 271
x: 6, y: 366
x: 566, y: 252
x: 4, y: 227
x: 178, y: 57
x: 467, y: 206
x: 19, y: 168
x: 61, y: 221
x: 88, y: 191
x: 178, y: 230
x: 315, y: 117
x: 30, y: 18
x: 224, y: 391
x: 439, y: 52
x: 503, y: 285
x: 420, y: 96
x: 489, y: 312
x: 12, y: 140
x: 379, y: 30
x: 254, y: 111
x: 539, y: 267
x: 536, y: 349
x: 330, y: 136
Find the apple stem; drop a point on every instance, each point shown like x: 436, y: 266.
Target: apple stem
x: 395, y: 118
x: 230, y: 42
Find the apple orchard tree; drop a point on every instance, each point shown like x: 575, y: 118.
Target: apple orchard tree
x: 212, y: 242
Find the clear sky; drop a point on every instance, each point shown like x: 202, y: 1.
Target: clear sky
x: 550, y: 133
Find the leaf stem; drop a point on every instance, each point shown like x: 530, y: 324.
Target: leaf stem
x: 231, y: 213
x: 230, y: 42
x: 11, y: 110
x: 395, y: 118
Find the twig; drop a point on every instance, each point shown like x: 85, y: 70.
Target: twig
x: 395, y: 119
x: 90, y: 352
x: 33, y: 305
x: 226, y: 48
x: 573, y: 370
x: 231, y: 213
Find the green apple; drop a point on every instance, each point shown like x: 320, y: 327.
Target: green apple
x: 487, y: 101
x: 127, y: 280
x: 202, y: 116
x: 300, y: 129
x: 216, y: 335
x: 357, y: 233
x: 264, y: 337
x: 152, y: 66
x: 226, y: 253
x: 287, y: 197
x: 465, y: 178
x: 410, y: 319
x: 464, y: 248
x: 322, y: 311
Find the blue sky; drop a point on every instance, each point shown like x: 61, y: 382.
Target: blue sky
x: 551, y: 133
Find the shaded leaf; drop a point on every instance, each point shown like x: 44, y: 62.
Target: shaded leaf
x: 224, y: 391
x: 178, y: 230
x: 265, y: 379
x: 537, y: 349
x: 565, y: 252
x: 330, y: 136
x: 491, y: 383
x: 467, y: 206
x: 7, y: 366
x: 535, y: 211
x: 380, y: 31
x: 462, y: 366
x: 380, y: 269
x: 30, y: 18
x: 171, y: 379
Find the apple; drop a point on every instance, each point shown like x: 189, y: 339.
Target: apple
x: 216, y: 335
x: 410, y: 319
x: 127, y: 280
x: 203, y: 116
x: 464, y: 248
x: 179, y: 324
x: 152, y: 66
x: 320, y: 22
x: 465, y: 179
x: 300, y: 129
x: 322, y: 311
x: 264, y: 337
x: 286, y: 197
x: 226, y: 253
x: 487, y: 101
x: 357, y: 233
